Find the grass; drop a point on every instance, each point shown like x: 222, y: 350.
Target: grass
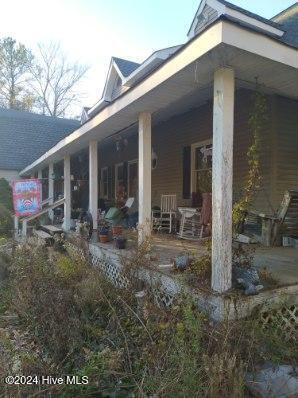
x: 72, y: 321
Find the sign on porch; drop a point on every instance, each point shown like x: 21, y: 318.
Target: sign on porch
x: 26, y: 197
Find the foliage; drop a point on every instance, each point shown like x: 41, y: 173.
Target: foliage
x: 15, y: 62
x: 258, y: 117
x: 205, y: 180
x: 200, y: 267
x: 5, y: 194
x: 6, y: 221
x: 73, y: 321
x: 55, y: 80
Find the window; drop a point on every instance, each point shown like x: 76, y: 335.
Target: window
x: 104, y: 183
x: 201, y: 164
x: 119, y: 177
x: 133, y: 178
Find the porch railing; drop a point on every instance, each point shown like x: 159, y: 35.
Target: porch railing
x: 44, y: 210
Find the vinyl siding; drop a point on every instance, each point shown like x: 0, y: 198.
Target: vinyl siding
x: 170, y: 137
x: 286, y: 148
x: 207, y: 16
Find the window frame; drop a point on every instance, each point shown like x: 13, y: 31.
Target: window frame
x: 194, y: 146
x: 102, y: 182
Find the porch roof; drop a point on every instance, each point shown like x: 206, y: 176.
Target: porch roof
x: 185, y: 80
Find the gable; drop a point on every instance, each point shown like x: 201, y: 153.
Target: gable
x: 210, y: 10
x: 206, y: 17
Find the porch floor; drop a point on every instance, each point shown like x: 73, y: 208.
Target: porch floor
x: 280, y: 262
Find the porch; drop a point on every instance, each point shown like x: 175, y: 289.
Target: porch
x: 278, y: 263
x: 192, y: 98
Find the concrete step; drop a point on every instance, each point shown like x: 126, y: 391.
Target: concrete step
x: 42, y: 235
x: 51, y: 229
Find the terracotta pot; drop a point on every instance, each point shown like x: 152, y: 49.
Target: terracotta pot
x: 117, y: 230
x: 103, y: 238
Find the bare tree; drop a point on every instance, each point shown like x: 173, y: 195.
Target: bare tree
x: 15, y: 64
x: 55, y: 80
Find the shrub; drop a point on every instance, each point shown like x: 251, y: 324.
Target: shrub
x: 82, y: 325
x: 6, y: 221
x: 5, y: 194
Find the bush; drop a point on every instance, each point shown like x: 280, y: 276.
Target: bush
x: 6, y: 221
x: 5, y: 194
x: 82, y: 325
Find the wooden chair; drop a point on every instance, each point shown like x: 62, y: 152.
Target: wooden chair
x: 284, y: 221
x: 165, y: 218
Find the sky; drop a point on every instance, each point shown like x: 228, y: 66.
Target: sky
x: 92, y: 31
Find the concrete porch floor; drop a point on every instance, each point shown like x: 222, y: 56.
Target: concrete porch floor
x: 280, y: 262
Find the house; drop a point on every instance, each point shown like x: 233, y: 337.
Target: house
x: 24, y: 136
x: 185, y: 99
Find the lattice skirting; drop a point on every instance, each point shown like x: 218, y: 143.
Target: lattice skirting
x: 284, y: 318
x: 283, y: 315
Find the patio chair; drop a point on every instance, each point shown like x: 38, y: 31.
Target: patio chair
x: 285, y: 221
x: 191, y: 226
x: 165, y: 218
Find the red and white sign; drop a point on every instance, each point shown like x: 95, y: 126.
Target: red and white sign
x: 26, y: 197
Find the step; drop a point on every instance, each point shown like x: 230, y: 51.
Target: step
x: 51, y: 229
x: 42, y: 234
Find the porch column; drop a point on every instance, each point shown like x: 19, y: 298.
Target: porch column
x: 93, y: 187
x: 39, y: 176
x: 67, y: 193
x: 51, y: 188
x: 222, y: 179
x: 144, y: 176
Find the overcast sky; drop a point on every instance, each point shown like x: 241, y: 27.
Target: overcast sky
x: 91, y: 31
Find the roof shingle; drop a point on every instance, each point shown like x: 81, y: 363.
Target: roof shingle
x: 126, y: 67
x: 25, y: 136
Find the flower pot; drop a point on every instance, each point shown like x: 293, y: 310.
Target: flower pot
x: 120, y: 242
x: 103, y: 238
x: 117, y: 230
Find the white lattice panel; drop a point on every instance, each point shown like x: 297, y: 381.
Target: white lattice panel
x: 284, y: 319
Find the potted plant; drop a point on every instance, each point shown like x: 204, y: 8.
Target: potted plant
x: 117, y: 230
x: 104, y: 234
x: 120, y: 242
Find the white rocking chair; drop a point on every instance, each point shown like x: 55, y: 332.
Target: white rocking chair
x: 165, y: 218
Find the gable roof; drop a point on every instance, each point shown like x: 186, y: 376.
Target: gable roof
x: 24, y: 136
x: 211, y: 10
x: 249, y: 13
x: 288, y: 19
x: 126, y: 67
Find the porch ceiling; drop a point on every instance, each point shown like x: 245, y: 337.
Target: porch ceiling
x: 186, y: 80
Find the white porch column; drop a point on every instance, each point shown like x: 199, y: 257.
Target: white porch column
x: 67, y: 193
x: 222, y: 179
x: 144, y: 176
x: 51, y: 188
x: 39, y: 176
x: 93, y: 187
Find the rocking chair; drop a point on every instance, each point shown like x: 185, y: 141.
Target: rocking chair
x: 165, y: 218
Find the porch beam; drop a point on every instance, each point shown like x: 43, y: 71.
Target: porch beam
x: 67, y: 193
x: 51, y: 188
x: 222, y: 179
x: 144, y: 176
x: 93, y: 187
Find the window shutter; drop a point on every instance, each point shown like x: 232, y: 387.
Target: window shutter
x: 186, y: 171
